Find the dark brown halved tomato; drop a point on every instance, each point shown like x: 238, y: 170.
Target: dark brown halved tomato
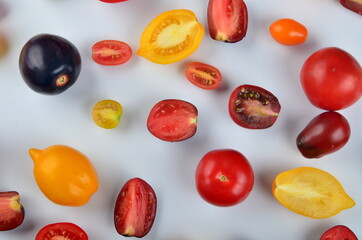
x: 11, y: 211
x: 173, y: 120
x: 253, y: 107
x: 339, y: 232
x: 63, y: 231
x: 135, y: 209
x: 227, y: 20
x: 203, y: 75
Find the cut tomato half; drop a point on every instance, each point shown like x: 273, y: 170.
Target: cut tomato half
x: 111, y: 52
x: 61, y: 231
x: 203, y: 75
x: 171, y: 37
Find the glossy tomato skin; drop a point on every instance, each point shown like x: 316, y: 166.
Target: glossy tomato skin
x: 332, y: 79
x: 224, y: 177
x: 253, y: 107
x: 339, y: 232
x: 135, y: 208
x: 325, y: 134
x: 203, y: 75
x: 11, y: 211
x: 353, y: 5
x: 49, y: 64
x: 288, y: 32
x: 61, y: 230
x: 111, y: 52
x: 173, y: 120
x: 227, y: 20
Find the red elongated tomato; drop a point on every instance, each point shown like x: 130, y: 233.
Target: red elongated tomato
x: 63, y: 231
x: 203, y: 75
x: 224, y: 177
x: 113, y: 1
x: 11, y: 210
x: 227, y: 20
x: 135, y: 209
x: 353, y: 5
x: 173, y: 120
x: 111, y: 52
x: 339, y: 232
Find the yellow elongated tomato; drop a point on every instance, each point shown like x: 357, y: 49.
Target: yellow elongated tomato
x: 311, y: 192
x: 171, y: 37
x: 64, y: 175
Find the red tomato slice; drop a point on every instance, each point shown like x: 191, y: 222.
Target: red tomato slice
x: 203, y: 75
x: 62, y: 230
x: 111, y: 52
x: 135, y: 209
x: 173, y: 120
x: 113, y: 1
x: 339, y: 232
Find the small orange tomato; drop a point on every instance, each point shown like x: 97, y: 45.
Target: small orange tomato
x: 107, y: 113
x: 64, y: 175
x: 288, y: 32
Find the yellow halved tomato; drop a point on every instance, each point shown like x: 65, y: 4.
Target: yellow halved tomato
x: 311, y: 192
x: 64, y: 175
x: 171, y: 37
x: 107, y: 113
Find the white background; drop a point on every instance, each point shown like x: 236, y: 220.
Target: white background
x: 31, y: 120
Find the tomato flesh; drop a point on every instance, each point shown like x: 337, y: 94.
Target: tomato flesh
x: 203, y: 75
x: 107, y: 113
x: 227, y: 20
x: 339, y: 232
x: 253, y: 107
x: 288, y: 32
x: 135, y: 209
x: 331, y: 79
x: 111, y: 52
x: 325, y: 134
x: 173, y: 120
x: 11, y: 210
x: 113, y: 1
x: 61, y: 231
x: 224, y: 177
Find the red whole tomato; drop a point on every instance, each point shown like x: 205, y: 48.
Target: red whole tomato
x: 62, y: 230
x: 332, y: 79
x: 111, y: 52
x: 253, y: 107
x: 113, y: 1
x: 173, y: 120
x: 203, y: 75
x: 135, y: 209
x: 339, y: 232
x: 325, y: 134
x: 224, y: 177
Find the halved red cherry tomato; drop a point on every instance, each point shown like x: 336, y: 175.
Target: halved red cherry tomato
x: 224, y: 177
x: 135, y: 209
x: 111, y: 52
x: 203, y: 75
x: 113, y: 1
x: 339, y: 232
x: 253, y: 107
x: 11, y: 210
x: 173, y: 120
x: 63, y: 231
x: 288, y: 32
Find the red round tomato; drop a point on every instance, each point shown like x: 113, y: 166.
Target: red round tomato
x: 339, y: 232
x: 203, y: 75
x: 253, y: 107
x: 173, y: 120
x: 288, y: 32
x: 332, y: 79
x: 224, y: 177
x: 113, y: 1
x: 111, y: 52
x: 62, y: 230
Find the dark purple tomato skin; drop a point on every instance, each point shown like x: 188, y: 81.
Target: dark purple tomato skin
x: 49, y: 64
x: 325, y: 134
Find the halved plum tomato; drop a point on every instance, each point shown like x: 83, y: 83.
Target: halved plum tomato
x: 113, y: 1
x: 203, y: 75
x: 111, y: 52
x: 11, y: 210
x: 171, y: 37
x: 135, y: 208
x: 227, y: 20
x: 339, y: 232
x: 63, y: 231
x: 253, y: 107
x: 173, y: 120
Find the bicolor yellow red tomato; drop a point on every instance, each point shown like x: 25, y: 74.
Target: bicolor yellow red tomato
x: 107, y: 113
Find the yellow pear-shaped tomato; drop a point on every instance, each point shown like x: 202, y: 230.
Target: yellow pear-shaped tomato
x: 311, y: 192
x: 171, y: 36
x: 64, y: 175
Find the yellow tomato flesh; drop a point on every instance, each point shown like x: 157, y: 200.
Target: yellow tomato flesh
x: 107, y: 113
x: 171, y: 37
x: 64, y: 175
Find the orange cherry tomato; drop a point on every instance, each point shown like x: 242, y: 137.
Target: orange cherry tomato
x: 288, y: 32
x: 64, y: 175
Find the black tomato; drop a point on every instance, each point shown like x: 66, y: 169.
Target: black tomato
x: 49, y: 64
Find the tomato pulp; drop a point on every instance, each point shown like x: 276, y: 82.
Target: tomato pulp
x: 62, y: 230
x: 111, y: 52
x: 203, y: 75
